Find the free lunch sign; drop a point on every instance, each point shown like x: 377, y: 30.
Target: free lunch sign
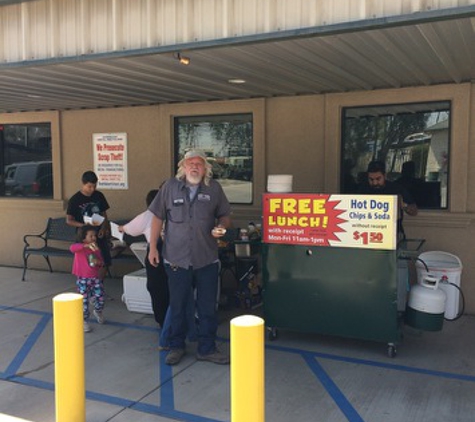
x: 355, y: 221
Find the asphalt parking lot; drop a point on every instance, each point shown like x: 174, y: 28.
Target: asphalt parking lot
x: 309, y: 377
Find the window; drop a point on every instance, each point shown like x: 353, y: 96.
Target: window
x: 227, y: 141
x: 25, y: 160
x: 412, y: 140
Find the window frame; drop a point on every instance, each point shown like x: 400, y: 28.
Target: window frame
x: 205, y: 119
x: 402, y: 109
x: 27, y: 118
x: 460, y: 96
x: 256, y: 107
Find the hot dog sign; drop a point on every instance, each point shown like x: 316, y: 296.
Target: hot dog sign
x: 358, y: 221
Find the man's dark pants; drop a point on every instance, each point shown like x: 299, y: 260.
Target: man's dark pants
x: 180, y: 281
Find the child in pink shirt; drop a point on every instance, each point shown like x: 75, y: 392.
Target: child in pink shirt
x: 87, y: 264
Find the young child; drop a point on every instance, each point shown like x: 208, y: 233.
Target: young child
x: 85, y: 203
x: 87, y: 266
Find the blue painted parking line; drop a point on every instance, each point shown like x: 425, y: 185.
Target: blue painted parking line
x: 166, y: 386
x: 332, y: 389
x: 107, y: 398
x: 27, y: 346
x: 166, y: 407
x: 30, y: 382
x: 392, y: 366
x: 167, y: 397
x: 23, y: 310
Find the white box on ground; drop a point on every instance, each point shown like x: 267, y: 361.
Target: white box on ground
x: 136, y: 296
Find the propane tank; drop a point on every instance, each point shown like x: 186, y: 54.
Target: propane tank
x: 426, y: 305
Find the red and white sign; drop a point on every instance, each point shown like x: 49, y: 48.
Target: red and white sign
x: 110, y: 160
x: 357, y: 221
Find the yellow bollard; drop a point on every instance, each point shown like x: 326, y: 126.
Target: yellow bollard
x: 70, y: 390
x: 247, y: 369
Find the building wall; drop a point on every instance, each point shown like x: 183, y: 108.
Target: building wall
x: 148, y: 153
x: 298, y: 135
x: 295, y: 125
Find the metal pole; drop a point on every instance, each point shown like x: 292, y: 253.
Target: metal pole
x: 70, y: 391
x: 247, y: 369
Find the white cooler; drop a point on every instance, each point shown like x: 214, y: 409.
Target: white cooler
x: 136, y: 296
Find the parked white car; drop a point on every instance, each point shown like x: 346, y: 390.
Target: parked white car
x: 34, y: 178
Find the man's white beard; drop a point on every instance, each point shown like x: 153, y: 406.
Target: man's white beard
x: 193, y: 180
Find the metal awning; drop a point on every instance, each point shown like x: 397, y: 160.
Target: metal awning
x: 428, y: 50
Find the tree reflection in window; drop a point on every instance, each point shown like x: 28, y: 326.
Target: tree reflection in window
x: 413, y: 141
x: 227, y: 140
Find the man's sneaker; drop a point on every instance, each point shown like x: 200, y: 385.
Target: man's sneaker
x: 87, y: 327
x: 174, y: 356
x: 99, y: 317
x: 215, y: 357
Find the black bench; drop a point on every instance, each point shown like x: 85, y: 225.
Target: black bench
x: 55, y: 241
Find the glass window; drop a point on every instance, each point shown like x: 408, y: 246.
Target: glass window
x: 412, y: 139
x: 25, y: 160
x: 227, y: 140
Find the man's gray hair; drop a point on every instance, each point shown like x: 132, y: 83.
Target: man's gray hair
x: 181, y: 175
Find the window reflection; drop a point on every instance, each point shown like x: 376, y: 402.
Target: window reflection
x: 227, y: 140
x: 413, y: 141
x: 25, y: 160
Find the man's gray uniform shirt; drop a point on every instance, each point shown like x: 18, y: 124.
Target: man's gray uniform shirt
x: 188, y: 223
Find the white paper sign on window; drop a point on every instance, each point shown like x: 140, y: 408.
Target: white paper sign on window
x: 110, y: 160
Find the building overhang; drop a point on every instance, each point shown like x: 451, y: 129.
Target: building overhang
x: 421, y: 49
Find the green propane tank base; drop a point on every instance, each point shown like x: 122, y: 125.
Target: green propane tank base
x: 424, y: 320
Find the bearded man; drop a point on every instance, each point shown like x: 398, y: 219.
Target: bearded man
x: 193, y: 211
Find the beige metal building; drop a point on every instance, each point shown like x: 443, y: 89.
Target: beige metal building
x: 88, y: 67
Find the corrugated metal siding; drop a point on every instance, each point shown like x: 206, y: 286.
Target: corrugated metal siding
x: 56, y: 28
x: 438, y: 52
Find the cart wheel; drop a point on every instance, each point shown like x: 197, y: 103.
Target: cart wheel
x: 272, y: 334
x: 392, y: 350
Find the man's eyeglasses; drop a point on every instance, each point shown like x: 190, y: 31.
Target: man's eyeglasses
x: 194, y: 163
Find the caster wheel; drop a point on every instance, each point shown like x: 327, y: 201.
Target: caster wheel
x: 392, y: 351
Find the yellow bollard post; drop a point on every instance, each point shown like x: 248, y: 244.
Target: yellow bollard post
x: 247, y: 369
x: 69, y: 376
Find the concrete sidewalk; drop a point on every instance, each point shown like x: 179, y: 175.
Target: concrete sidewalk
x: 308, y: 377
